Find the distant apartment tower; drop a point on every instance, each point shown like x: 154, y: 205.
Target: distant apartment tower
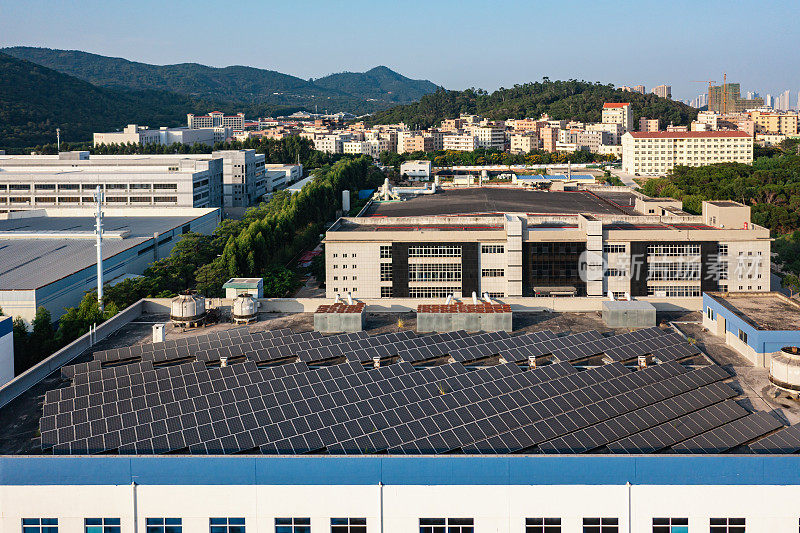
x: 657, y: 153
x: 216, y: 119
x: 523, y: 143
x: 490, y: 137
x: 549, y: 137
x: 639, y: 89
x: 664, y: 91
x: 460, y: 142
x: 618, y: 113
x: 777, y: 123
x: 727, y: 99
x: 648, y: 124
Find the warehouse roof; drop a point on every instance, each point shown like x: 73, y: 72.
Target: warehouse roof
x: 47, y: 249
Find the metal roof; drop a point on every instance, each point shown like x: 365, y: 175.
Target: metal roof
x: 30, y: 263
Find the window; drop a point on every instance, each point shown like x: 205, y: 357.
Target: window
x: 727, y: 525
x: 600, y: 525
x: 140, y: 186
x: 165, y: 199
x: 670, y: 525
x: 673, y: 250
x: 111, y: 186
x: 386, y: 252
x: 453, y: 525
x: 348, y: 525
x: 434, y: 251
x: 432, y: 292
x: 615, y: 273
x: 723, y: 250
x: 710, y: 313
x: 496, y: 294
x: 101, y: 525
x: 614, y: 248
x: 226, y: 525
x: 542, y: 525
x: 164, y: 525
x: 434, y: 272
x: 40, y: 525
x: 492, y: 272
x: 492, y: 249
x: 165, y: 186
x: 742, y: 336
x: 386, y: 292
x: 292, y: 525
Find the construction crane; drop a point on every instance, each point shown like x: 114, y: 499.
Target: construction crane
x: 709, y: 82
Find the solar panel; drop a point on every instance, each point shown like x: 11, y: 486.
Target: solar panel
x: 730, y: 435
x: 784, y: 441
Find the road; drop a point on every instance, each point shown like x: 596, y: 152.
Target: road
x: 627, y: 179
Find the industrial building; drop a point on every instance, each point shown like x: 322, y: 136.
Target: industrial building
x: 399, y: 431
x: 49, y: 258
x: 509, y: 242
x: 135, y: 134
x: 69, y: 179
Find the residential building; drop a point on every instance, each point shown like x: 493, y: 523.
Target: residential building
x: 618, y: 113
x: 460, y: 142
x: 490, y: 137
x: 775, y: 122
x: 415, y: 143
x: 453, y: 242
x: 673, y: 127
x: 372, y: 148
x: 648, y: 124
x: 638, y: 89
x: 769, y: 139
x: 549, y: 137
x: 452, y: 124
x: 610, y: 149
x: 243, y: 179
x: 332, y: 143
x: 708, y: 117
x: 664, y: 91
x: 523, y: 143
x: 727, y: 99
x: 70, y: 179
x: 417, y: 169
x: 656, y: 153
x: 216, y: 119
x: 613, y: 129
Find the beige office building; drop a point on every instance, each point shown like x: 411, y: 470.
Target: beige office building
x: 476, y: 240
x: 523, y: 143
x: 648, y: 124
x: 656, y: 153
x: 460, y: 142
x: 776, y: 123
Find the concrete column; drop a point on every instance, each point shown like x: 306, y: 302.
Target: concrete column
x: 514, y: 229
x: 594, y: 254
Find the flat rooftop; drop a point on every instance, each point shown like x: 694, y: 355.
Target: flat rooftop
x: 65, y: 245
x: 495, y: 200
x: 764, y: 310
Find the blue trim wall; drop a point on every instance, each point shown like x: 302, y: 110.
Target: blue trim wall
x: 405, y: 470
x: 760, y: 340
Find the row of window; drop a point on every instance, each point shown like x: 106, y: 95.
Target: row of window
x: 434, y: 251
x: 493, y: 249
x: 89, y: 186
x: 614, y: 248
x: 669, y: 271
x: 434, y: 272
x: 673, y: 291
x: 492, y: 272
x: 359, y: 525
x: 673, y: 249
x: 89, y: 199
x: 432, y: 292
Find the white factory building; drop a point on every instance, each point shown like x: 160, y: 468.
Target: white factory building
x: 49, y: 258
x: 135, y: 134
x: 396, y: 494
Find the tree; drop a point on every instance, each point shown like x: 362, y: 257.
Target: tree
x: 279, y: 282
x: 41, y: 340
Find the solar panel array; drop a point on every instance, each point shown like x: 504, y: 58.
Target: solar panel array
x: 173, y: 397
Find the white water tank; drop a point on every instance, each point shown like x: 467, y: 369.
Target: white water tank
x: 784, y: 369
x: 245, y: 309
x: 188, y: 309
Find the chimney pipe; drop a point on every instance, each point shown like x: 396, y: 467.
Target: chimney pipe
x: 223, y: 361
x: 531, y: 361
x: 376, y: 361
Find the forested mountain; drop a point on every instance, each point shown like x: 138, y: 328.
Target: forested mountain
x: 571, y: 99
x: 34, y: 100
x: 349, y: 91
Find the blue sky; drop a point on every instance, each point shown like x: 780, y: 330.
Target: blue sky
x: 457, y: 44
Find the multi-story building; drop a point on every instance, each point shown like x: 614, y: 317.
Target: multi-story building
x: 708, y: 117
x: 460, y: 142
x: 372, y: 148
x: 452, y: 124
x: 134, y: 134
x: 70, y: 179
x: 452, y: 242
x: 613, y: 129
x: 420, y: 169
x: 490, y: 137
x: 523, y: 143
x: 773, y: 122
x: 216, y: 119
x: 279, y: 175
x: 618, y: 113
x: 664, y: 91
x: 243, y: 177
x: 648, y: 124
x: 727, y: 99
x: 656, y: 153
x: 409, y: 142
x: 549, y: 137
x: 331, y: 143
x: 591, y: 140
x: 639, y: 89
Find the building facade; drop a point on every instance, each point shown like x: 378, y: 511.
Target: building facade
x: 664, y: 91
x: 656, y: 153
x: 776, y: 123
x: 133, y: 134
x: 648, y: 124
x: 460, y: 142
x: 618, y: 113
x: 216, y: 119
x: 656, y: 251
x: 71, y: 179
x: 243, y: 179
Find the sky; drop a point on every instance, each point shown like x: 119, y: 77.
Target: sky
x: 456, y: 44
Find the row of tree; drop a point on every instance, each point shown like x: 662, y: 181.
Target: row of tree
x: 482, y: 156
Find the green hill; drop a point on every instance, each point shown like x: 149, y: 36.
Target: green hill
x: 34, y: 100
x: 571, y: 99
x: 257, y: 90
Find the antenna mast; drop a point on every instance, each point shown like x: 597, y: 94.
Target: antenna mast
x: 58, y: 139
x: 99, y: 233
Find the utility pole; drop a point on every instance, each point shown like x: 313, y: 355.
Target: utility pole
x: 99, y: 233
x: 58, y: 139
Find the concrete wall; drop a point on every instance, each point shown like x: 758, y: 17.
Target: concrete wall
x: 444, y: 322
x: 338, y: 322
x: 35, y: 374
x: 620, y: 315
